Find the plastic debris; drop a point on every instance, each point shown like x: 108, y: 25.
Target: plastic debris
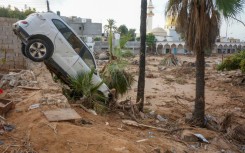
x: 8, y: 127
x: 201, y: 137
x: 34, y: 106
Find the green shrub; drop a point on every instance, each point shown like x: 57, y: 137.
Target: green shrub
x: 242, y: 65
x: 127, y: 53
x: 116, y: 77
x: 233, y: 62
x: 82, y: 85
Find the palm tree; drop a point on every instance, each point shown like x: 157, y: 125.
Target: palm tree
x: 199, y: 21
x: 141, y: 79
x: 110, y: 28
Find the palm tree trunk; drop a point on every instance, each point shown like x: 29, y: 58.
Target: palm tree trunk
x: 110, y: 44
x: 199, y: 110
x: 141, y: 79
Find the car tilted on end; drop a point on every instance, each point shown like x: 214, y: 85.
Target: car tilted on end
x: 47, y: 38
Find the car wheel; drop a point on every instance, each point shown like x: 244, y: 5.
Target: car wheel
x: 23, y: 49
x: 38, y: 50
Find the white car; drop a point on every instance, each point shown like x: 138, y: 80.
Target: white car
x: 46, y: 37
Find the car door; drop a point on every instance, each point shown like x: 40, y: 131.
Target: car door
x: 64, y: 55
x: 72, y: 49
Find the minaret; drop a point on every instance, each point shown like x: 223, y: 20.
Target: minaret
x: 150, y: 15
x: 170, y: 20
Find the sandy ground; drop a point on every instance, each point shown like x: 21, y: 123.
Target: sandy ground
x: 169, y: 92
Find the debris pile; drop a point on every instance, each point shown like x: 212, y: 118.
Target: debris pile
x: 171, y: 60
x: 188, y: 72
x: 235, y: 77
x: 23, y: 78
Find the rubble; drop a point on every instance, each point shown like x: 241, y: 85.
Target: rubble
x: 22, y: 78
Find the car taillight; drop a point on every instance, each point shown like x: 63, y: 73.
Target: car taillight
x: 24, y: 22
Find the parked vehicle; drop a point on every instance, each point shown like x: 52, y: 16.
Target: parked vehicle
x: 46, y: 37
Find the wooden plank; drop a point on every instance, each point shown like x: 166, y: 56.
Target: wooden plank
x: 61, y: 115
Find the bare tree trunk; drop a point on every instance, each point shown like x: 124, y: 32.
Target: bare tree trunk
x: 141, y: 79
x: 110, y: 44
x: 199, y: 110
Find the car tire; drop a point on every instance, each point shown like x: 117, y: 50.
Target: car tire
x: 38, y: 50
x: 23, y: 49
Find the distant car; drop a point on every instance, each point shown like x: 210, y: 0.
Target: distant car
x: 46, y: 37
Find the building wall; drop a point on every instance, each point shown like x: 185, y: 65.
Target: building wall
x: 84, y: 27
x: 92, y: 29
x: 178, y: 47
x: 10, y: 47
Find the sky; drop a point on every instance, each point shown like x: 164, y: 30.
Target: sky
x: 122, y: 11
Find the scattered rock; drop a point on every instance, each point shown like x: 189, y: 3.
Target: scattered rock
x: 34, y: 106
x: 84, y: 122
x: 160, y: 118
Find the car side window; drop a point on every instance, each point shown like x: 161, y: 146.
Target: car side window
x: 76, y: 43
x: 87, y: 57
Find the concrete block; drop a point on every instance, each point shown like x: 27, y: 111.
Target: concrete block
x: 4, y: 23
x: 4, y: 47
x: 19, y: 66
x: 6, y: 41
x: 7, y: 28
x: 3, y: 37
x: 11, y: 66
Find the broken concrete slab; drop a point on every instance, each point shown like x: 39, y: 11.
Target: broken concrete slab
x: 61, y: 115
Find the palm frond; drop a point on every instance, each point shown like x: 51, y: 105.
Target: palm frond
x: 83, y: 85
x: 230, y: 7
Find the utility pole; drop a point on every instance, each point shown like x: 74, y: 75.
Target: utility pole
x: 48, y: 6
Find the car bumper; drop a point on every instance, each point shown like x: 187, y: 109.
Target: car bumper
x: 20, y: 33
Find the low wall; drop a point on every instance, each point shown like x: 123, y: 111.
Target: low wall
x: 10, y: 46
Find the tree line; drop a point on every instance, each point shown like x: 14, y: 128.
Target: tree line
x: 15, y: 12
